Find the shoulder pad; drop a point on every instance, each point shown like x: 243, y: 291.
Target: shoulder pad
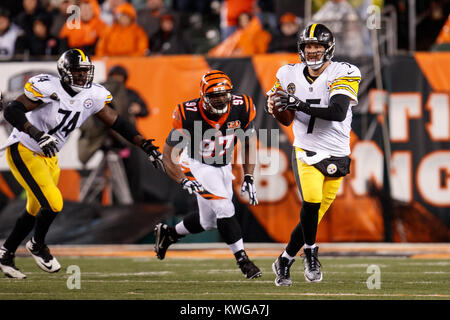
x: 247, y: 106
x: 285, y: 71
x: 344, y: 79
x: 40, y: 87
x: 345, y: 69
x: 101, y: 95
x: 190, y: 103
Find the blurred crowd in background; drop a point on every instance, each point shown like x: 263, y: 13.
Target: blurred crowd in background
x: 35, y: 29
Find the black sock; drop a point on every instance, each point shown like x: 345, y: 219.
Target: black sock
x: 229, y: 229
x: 43, y: 221
x: 296, y: 241
x: 192, y: 222
x: 309, y: 217
x: 22, y: 228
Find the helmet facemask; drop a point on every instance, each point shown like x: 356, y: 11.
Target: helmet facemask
x: 81, y: 77
x: 215, y: 91
x: 316, y: 34
x: 315, y: 64
x: 217, y: 103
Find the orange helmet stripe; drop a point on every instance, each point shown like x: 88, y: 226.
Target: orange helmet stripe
x: 213, y: 79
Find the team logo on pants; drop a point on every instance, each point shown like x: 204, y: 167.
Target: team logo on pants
x: 331, y: 168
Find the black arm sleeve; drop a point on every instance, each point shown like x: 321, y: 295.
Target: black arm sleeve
x: 336, y: 111
x: 125, y: 129
x: 15, y: 114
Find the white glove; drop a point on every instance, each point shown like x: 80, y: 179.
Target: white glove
x: 191, y: 185
x: 249, y: 186
x: 48, y: 144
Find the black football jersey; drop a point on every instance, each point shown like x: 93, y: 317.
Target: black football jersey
x: 212, y: 141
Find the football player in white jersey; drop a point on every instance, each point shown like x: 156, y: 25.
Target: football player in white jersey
x: 317, y: 95
x: 43, y: 117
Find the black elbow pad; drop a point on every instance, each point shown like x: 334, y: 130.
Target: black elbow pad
x: 15, y: 114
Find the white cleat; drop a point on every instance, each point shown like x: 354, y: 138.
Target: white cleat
x: 43, y: 258
x: 7, y: 265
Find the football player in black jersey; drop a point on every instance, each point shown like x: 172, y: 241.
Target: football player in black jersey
x: 205, y: 132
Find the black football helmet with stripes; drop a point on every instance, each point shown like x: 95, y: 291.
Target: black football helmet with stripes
x: 76, y: 69
x: 320, y: 34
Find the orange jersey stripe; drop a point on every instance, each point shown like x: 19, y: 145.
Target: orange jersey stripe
x: 210, y: 196
x: 182, y: 111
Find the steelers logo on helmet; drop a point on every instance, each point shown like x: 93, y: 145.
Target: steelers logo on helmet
x: 76, y: 70
x: 316, y: 34
x: 331, y: 168
x: 215, y: 91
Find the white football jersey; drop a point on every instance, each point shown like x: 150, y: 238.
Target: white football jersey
x: 60, y: 113
x: 312, y: 133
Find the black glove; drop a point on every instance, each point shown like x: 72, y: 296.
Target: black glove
x: 284, y: 100
x: 47, y: 143
x: 249, y: 186
x: 191, y: 185
x: 154, y: 156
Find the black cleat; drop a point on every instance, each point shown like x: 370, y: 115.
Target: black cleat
x: 281, y: 267
x: 312, y: 265
x: 7, y: 265
x: 247, y: 267
x: 164, y: 238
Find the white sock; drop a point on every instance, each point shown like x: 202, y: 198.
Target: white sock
x: 181, y: 229
x: 285, y: 255
x: 310, y: 246
x: 237, y: 246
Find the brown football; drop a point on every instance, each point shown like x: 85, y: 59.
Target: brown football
x: 285, y: 117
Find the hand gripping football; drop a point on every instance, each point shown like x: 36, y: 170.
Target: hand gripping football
x: 284, y: 117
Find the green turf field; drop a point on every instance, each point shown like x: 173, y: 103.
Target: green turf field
x: 220, y: 279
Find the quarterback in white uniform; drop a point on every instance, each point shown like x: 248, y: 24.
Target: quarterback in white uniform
x: 317, y: 95
x: 43, y: 117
